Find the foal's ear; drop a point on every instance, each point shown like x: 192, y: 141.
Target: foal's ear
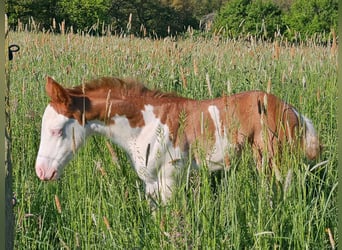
x: 56, y: 92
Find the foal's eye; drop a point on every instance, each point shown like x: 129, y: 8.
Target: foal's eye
x: 56, y: 132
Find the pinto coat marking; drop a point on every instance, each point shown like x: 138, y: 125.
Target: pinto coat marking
x: 160, y: 131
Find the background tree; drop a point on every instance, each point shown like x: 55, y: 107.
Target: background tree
x: 83, y: 14
x: 168, y: 17
x: 263, y: 19
x: 232, y: 16
x: 311, y: 16
x: 155, y: 17
x: 41, y: 10
x: 204, y: 7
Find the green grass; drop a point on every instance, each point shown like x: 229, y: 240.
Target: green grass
x: 236, y: 209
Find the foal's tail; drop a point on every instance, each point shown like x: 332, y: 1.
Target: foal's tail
x: 311, y: 144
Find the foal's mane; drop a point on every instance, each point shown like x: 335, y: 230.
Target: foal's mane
x: 119, y: 87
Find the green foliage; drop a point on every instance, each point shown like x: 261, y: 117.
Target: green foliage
x: 150, y: 18
x: 204, y: 7
x: 261, y: 18
x: 246, y: 17
x: 42, y: 10
x: 232, y: 16
x: 82, y: 14
x: 311, y: 17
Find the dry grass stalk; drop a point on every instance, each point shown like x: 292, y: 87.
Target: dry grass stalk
x: 184, y: 81
x: 73, y: 141
x: 288, y: 180
x: 54, y: 23
x: 195, y: 67
x: 40, y: 222
x: 20, y: 26
x: 62, y: 27
x: 100, y: 168
x: 207, y: 78
x: 77, y: 239
x: 112, y: 152
x: 292, y: 52
x: 276, y: 53
x: 331, y: 238
x: 58, y: 204
x: 334, y: 43
x: 229, y: 87
x: 94, y: 219
x: 283, y: 77
x: 105, y: 220
x: 6, y: 24
x: 63, y: 243
x: 129, y: 24
x: 318, y: 95
x: 269, y: 84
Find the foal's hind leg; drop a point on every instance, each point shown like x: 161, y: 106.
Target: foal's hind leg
x: 265, y: 149
x: 263, y: 159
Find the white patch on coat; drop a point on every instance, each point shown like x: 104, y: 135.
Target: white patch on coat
x: 221, y: 140
x: 149, y: 147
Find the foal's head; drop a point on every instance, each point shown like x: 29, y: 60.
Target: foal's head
x: 62, y: 132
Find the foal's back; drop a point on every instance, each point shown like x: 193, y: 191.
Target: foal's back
x: 257, y: 117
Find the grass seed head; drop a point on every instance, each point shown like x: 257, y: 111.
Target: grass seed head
x: 106, y: 222
x: 58, y: 204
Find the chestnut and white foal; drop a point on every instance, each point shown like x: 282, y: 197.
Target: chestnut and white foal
x: 161, y: 131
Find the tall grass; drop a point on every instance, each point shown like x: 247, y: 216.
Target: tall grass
x: 99, y: 203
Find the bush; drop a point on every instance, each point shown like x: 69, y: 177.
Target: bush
x: 310, y: 17
x: 246, y: 17
x: 42, y: 11
x: 83, y: 14
x: 149, y: 18
x: 264, y: 18
x: 231, y: 17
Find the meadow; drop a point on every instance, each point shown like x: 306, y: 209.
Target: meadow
x: 99, y: 203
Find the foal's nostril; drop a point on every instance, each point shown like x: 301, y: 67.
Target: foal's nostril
x: 53, y: 175
x: 40, y: 172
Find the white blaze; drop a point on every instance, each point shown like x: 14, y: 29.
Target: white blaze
x: 60, y: 138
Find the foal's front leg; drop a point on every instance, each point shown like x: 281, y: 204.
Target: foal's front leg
x: 160, y: 190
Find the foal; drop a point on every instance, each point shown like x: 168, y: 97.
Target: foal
x: 161, y: 131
